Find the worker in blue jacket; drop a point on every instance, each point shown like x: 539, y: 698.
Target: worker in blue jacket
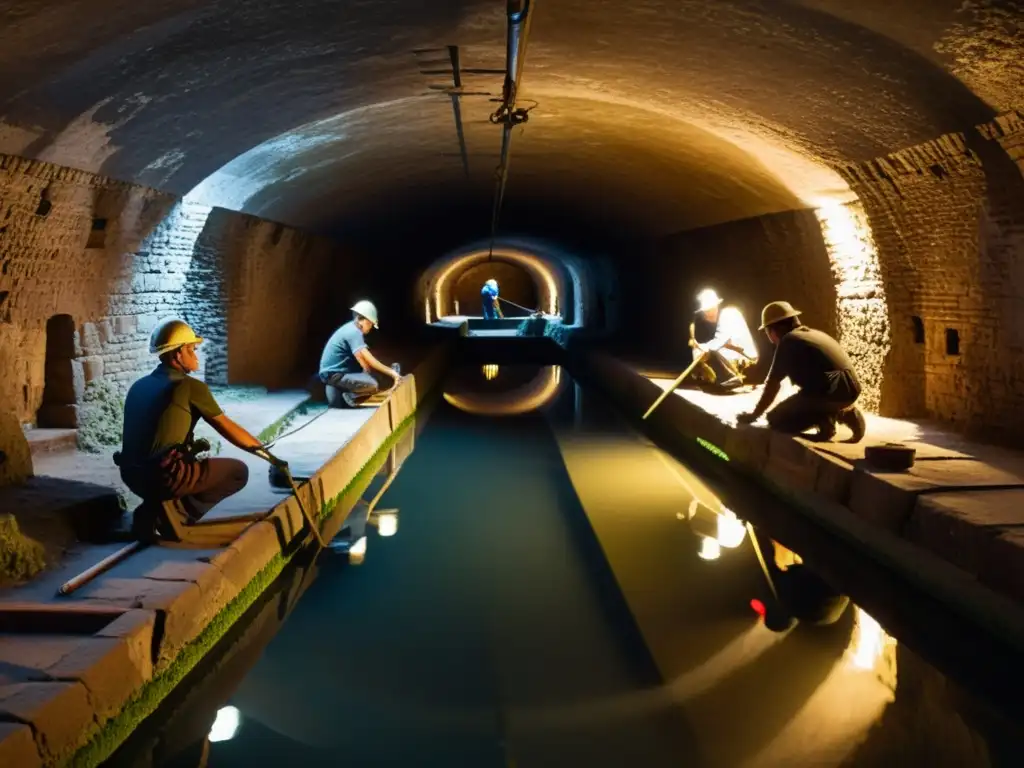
x: 489, y: 297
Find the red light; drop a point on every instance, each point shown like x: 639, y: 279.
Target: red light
x: 758, y: 607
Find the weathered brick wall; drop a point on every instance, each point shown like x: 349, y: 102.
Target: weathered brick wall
x: 514, y: 284
x: 48, y: 268
x: 253, y: 289
x: 948, y: 223
x: 749, y: 263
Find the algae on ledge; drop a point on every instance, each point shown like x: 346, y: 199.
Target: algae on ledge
x: 101, y: 416
x: 21, y: 557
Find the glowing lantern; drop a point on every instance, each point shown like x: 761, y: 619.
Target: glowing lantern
x: 710, y: 549
x: 225, y: 725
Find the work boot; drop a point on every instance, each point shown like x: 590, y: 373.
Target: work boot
x: 853, y: 418
x: 351, y: 401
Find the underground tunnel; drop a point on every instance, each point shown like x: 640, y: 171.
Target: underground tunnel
x: 256, y: 168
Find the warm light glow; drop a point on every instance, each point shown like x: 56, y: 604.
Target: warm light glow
x: 731, y: 530
x: 357, y: 552
x: 869, y: 641
x: 387, y: 523
x: 426, y: 310
x: 863, y: 317
x: 709, y: 549
x: 537, y: 394
x: 225, y: 725
x: 539, y: 270
x: 457, y: 311
x: 490, y: 372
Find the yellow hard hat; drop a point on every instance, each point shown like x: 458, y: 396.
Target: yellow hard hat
x: 776, y: 312
x: 171, y: 334
x: 367, y: 310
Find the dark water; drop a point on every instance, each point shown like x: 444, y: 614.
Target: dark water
x: 495, y: 630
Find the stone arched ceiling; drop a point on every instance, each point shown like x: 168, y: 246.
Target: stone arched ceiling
x: 650, y: 117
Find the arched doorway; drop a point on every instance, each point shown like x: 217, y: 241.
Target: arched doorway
x: 515, y: 285
x: 63, y: 380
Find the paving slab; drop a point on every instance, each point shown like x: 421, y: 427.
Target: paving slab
x: 18, y: 747
x: 24, y: 657
x: 106, y: 667
x: 57, y: 712
x: 48, y: 440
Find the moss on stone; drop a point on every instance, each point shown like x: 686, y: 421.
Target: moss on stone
x: 100, y: 417
x: 278, y: 427
x: 21, y: 557
x: 103, y: 740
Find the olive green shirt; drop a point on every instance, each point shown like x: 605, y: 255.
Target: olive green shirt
x: 161, y: 410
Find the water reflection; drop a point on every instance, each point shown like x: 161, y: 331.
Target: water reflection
x: 519, y: 390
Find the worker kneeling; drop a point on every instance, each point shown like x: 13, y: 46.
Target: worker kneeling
x: 159, y: 454
x: 721, y: 341
x: 816, y: 364
x: 346, y: 365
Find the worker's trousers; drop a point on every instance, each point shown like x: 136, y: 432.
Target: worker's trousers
x: 345, y: 390
x: 802, y: 411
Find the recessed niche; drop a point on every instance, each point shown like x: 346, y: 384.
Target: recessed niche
x: 952, y: 341
x: 918, y: 327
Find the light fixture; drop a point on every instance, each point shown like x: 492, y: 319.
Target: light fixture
x: 490, y: 371
x: 731, y: 530
x: 386, y: 521
x: 710, y: 549
x: 225, y: 724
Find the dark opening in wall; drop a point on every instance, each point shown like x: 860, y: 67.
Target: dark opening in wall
x: 98, y: 234
x: 44, y: 207
x: 918, y: 326
x: 278, y: 234
x: 952, y: 341
x: 59, y: 408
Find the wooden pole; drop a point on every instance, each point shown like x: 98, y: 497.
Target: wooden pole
x: 103, y: 565
x: 676, y: 383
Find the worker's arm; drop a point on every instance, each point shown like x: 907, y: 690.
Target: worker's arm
x: 369, y: 362
x: 233, y: 432
x: 693, y: 336
x: 772, y: 384
x: 768, y: 395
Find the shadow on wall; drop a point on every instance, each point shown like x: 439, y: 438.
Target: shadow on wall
x: 514, y: 284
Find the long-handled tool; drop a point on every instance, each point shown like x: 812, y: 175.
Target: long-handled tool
x: 679, y: 380
x: 101, y: 567
x: 282, y: 465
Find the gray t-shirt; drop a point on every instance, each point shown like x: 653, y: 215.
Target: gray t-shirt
x: 340, y: 353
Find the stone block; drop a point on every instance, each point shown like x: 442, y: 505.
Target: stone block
x: 17, y: 747
x: 105, y: 328
x: 58, y: 713
x: 339, y: 470
x: 288, y: 518
x: 792, y: 463
x: 89, y: 339
x: 16, y: 464
x: 126, y: 325
x: 977, y: 531
x: 888, y: 498
x: 92, y: 368
x: 402, y: 402
x: 748, y: 446
x: 834, y: 478
x: 135, y: 627
x: 248, y: 555
x: 108, y: 670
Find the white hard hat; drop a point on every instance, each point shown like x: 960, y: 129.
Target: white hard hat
x: 492, y: 282
x: 367, y: 310
x: 708, y: 299
x: 170, y: 335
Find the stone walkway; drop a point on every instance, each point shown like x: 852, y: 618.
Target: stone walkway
x: 963, y: 500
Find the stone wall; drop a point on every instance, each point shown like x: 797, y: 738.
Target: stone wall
x: 89, y: 265
x: 254, y: 289
x: 948, y: 224
x: 749, y: 263
x: 514, y: 284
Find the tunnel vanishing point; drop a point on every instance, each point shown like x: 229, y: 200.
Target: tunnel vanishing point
x: 256, y: 166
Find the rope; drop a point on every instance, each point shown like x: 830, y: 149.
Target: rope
x: 270, y: 443
x: 518, y: 306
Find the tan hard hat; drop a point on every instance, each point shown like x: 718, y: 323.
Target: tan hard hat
x: 171, y: 334
x: 776, y: 312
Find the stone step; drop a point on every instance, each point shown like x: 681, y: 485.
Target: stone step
x: 51, y: 440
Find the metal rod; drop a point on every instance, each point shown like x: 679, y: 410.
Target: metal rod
x: 267, y: 456
x: 102, y: 566
x: 672, y: 387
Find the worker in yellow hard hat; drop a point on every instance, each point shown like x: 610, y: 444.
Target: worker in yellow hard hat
x: 159, y: 455
x: 720, y: 334
x: 819, y: 366
x: 347, y: 367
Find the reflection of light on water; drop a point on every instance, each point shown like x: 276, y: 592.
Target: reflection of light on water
x: 710, y: 549
x: 225, y: 725
x: 490, y: 372
x: 869, y: 641
x: 387, y: 524
x: 357, y: 552
x: 534, y: 395
x: 731, y: 530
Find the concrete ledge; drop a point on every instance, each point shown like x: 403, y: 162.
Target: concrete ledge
x: 952, y: 503
x: 158, y: 614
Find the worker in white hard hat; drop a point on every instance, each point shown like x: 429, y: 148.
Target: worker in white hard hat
x: 721, y: 335
x: 819, y: 366
x: 347, y: 367
x: 158, y: 457
x: 489, y: 299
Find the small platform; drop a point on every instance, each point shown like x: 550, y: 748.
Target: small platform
x: 42, y: 441
x: 963, y: 500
